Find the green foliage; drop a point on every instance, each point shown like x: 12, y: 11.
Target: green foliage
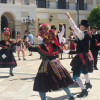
x: 94, y: 17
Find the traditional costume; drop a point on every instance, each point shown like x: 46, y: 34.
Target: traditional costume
x: 51, y: 75
x: 7, y: 59
x: 83, y: 61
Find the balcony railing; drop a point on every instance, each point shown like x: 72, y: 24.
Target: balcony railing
x: 59, y: 5
x: 82, y: 7
x: 41, y: 4
x: 63, y: 5
x: 3, y: 1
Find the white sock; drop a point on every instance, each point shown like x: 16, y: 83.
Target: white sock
x: 79, y: 80
x: 87, y: 78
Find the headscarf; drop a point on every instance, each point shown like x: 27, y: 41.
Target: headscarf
x: 6, y: 33
x: 48, y: 36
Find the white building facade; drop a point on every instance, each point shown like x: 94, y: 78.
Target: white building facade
x: 13, y: 12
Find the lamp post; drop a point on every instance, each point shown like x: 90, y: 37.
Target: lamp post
x: 28, y: 22
x: 50, y: 18
x: 78, y: 13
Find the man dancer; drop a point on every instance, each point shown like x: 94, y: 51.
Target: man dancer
x: 79, y: 62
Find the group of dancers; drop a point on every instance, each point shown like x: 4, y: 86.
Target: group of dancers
x: 51, y: 74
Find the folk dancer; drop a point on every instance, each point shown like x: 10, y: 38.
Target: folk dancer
x: 51, y: 75
x: 7, y: 59
x: 81, y: 61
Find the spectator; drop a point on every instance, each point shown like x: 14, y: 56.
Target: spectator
x: 94, y: 45
x: 13, y: 33
x: 29, y: 38
x: 20, y: 46
x: 25, y: 34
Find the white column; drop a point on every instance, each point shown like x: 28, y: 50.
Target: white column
x: 10, y: 1
x: 75, y: 1
x: 25, y: 2
x: 94, y: 3
x: 22, y: 2
x: 18, y: 2
x: 0, y: 27
x: 85, y: 1
x: 32, y: 2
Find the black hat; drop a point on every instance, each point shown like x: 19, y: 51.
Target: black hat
x: 85, y: 23
x: 94, y: 27
x: 53, y: 27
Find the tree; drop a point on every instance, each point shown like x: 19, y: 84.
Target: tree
x: 94, y: 17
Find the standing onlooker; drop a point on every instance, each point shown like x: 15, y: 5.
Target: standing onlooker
x: 71, y: 40
x: 20, y: 46
x: 25, y: 34
x: 30, y: 39
x: 94, y: 40
x: 13, y: 33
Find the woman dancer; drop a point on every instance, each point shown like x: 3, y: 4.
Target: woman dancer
x: 51, y: 75
x: 7, y: 59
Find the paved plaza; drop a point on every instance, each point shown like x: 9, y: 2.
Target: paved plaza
x: 19, y: 86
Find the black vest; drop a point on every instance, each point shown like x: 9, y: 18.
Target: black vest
x: 83, y: 45
x: 95, y: 38
x: 57, y: 37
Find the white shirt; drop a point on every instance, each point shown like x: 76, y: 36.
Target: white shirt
x: 77, y: 31
x: 60, y: 34
x: 41, y: 39
x: 63, y: 40
x: 94, y: 33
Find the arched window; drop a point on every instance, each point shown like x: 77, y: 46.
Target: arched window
x: 61, y: 4
x: 3, y: 1
x: 4, y: 22
x: 41, y: 3
x: 81, y: 4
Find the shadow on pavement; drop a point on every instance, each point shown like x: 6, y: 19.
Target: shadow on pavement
x: 64, y: 97
x: 24, y: 79
x: 4, y: 76
x: 29, y: 59
x: 75, y: 85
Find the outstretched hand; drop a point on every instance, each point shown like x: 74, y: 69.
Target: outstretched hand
x: 67, y: 14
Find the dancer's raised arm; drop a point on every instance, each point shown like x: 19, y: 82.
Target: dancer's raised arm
x: 77, y: 31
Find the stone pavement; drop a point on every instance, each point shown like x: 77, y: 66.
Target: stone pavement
x: 19, y: 87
